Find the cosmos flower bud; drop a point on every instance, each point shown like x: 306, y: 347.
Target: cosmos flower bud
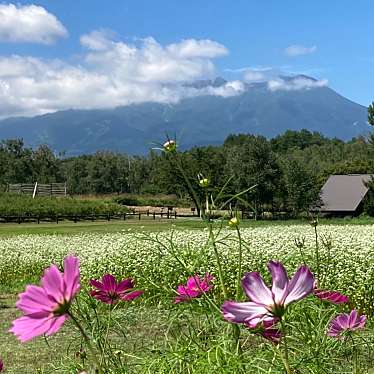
x: 204, y: 182
x: 234, y: 222
x: 170, y: 146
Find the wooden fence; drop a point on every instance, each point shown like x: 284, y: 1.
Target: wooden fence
x: 91, y: 217
x: 122, y: 216
x: 38, y: 189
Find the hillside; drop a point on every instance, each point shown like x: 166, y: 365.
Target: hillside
x: 200, y: 120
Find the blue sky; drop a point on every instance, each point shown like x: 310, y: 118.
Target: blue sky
x: 329, y: 40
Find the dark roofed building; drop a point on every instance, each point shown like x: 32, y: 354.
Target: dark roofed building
x: 344, y: 194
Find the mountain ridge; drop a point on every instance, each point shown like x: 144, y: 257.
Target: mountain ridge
x: 199, y: 120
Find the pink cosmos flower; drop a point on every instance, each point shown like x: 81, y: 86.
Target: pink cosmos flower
x: 346, y: 322
x: 266, y: 304
x: 333, y: 297
x: 1, y: 365
x: 272, y: 334
x: 268, y: 330
x: 45, y: 308
x: 110, y: 291
x: 195, y: 287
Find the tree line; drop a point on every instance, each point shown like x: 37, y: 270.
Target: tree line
x: 288, y: 170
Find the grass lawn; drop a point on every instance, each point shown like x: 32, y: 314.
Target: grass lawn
x: 70, y: 228
x: 148, y: 224
x: 25, y: 358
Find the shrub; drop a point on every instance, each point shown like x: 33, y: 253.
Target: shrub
x: 23, y: 205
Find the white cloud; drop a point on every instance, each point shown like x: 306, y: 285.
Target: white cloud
x: 111, y: 73
x: 198, y: 48
x: 29, y: 23
x: 254, y: 76
x: 231, y: 88
x: 299, y: 50
x: 295, y: 84
x: 97, y: 40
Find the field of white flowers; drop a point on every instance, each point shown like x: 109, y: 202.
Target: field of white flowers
x: 158, y: 261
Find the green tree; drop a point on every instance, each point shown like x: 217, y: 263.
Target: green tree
x: 302, y: 190
x: 16, y: 162
x: 371, y: 114
x: 76, y: 175
x: 254, y: 163
x: 46, y: 166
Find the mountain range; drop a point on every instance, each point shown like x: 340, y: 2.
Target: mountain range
x: 200, y: 120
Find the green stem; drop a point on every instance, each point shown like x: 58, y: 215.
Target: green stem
x: 272, y: 362
x: 107, y: 333
x: 317, y: 255
x: 218, y: 260
x: 236, y: 335
x: 235, y: 328
x: 87, y: 340
x: 284, y: 357
x: 191, y: 190
x: 239, y: 275
x: 356, y: 367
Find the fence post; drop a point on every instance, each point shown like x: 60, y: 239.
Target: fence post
x: 139, y: 216
x: 57, y: 218
x: 175, y: 214
x: 35, y: 189
x: 19, y: 219
x: 154, y: 215
x: 38, y: 220
x: 168, y: 215
x: 108, y: 216
x: 124, y: 216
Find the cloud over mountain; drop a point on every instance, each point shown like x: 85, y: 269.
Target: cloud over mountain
x: 295, y: 84
x: 110, y: 73
x: 30, y: 24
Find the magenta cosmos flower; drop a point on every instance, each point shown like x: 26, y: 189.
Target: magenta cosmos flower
x: 346, y: 322
x: 110, y: 291
x: 333, y: 297
x: 45, y: 308
x: 195, y: 287
x: 1, y: 365
x: 268, y: 330
x: 268, y: 303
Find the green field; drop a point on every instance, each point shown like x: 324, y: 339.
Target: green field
x: 132, y: 248
x: 68, y: 228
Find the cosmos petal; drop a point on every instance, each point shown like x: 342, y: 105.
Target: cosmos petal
x: 300, y: 286
x: 256, y: 289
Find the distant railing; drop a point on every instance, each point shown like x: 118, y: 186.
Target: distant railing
x: 56, y: 218
x: 140, y: 215
x: 38, y: 189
